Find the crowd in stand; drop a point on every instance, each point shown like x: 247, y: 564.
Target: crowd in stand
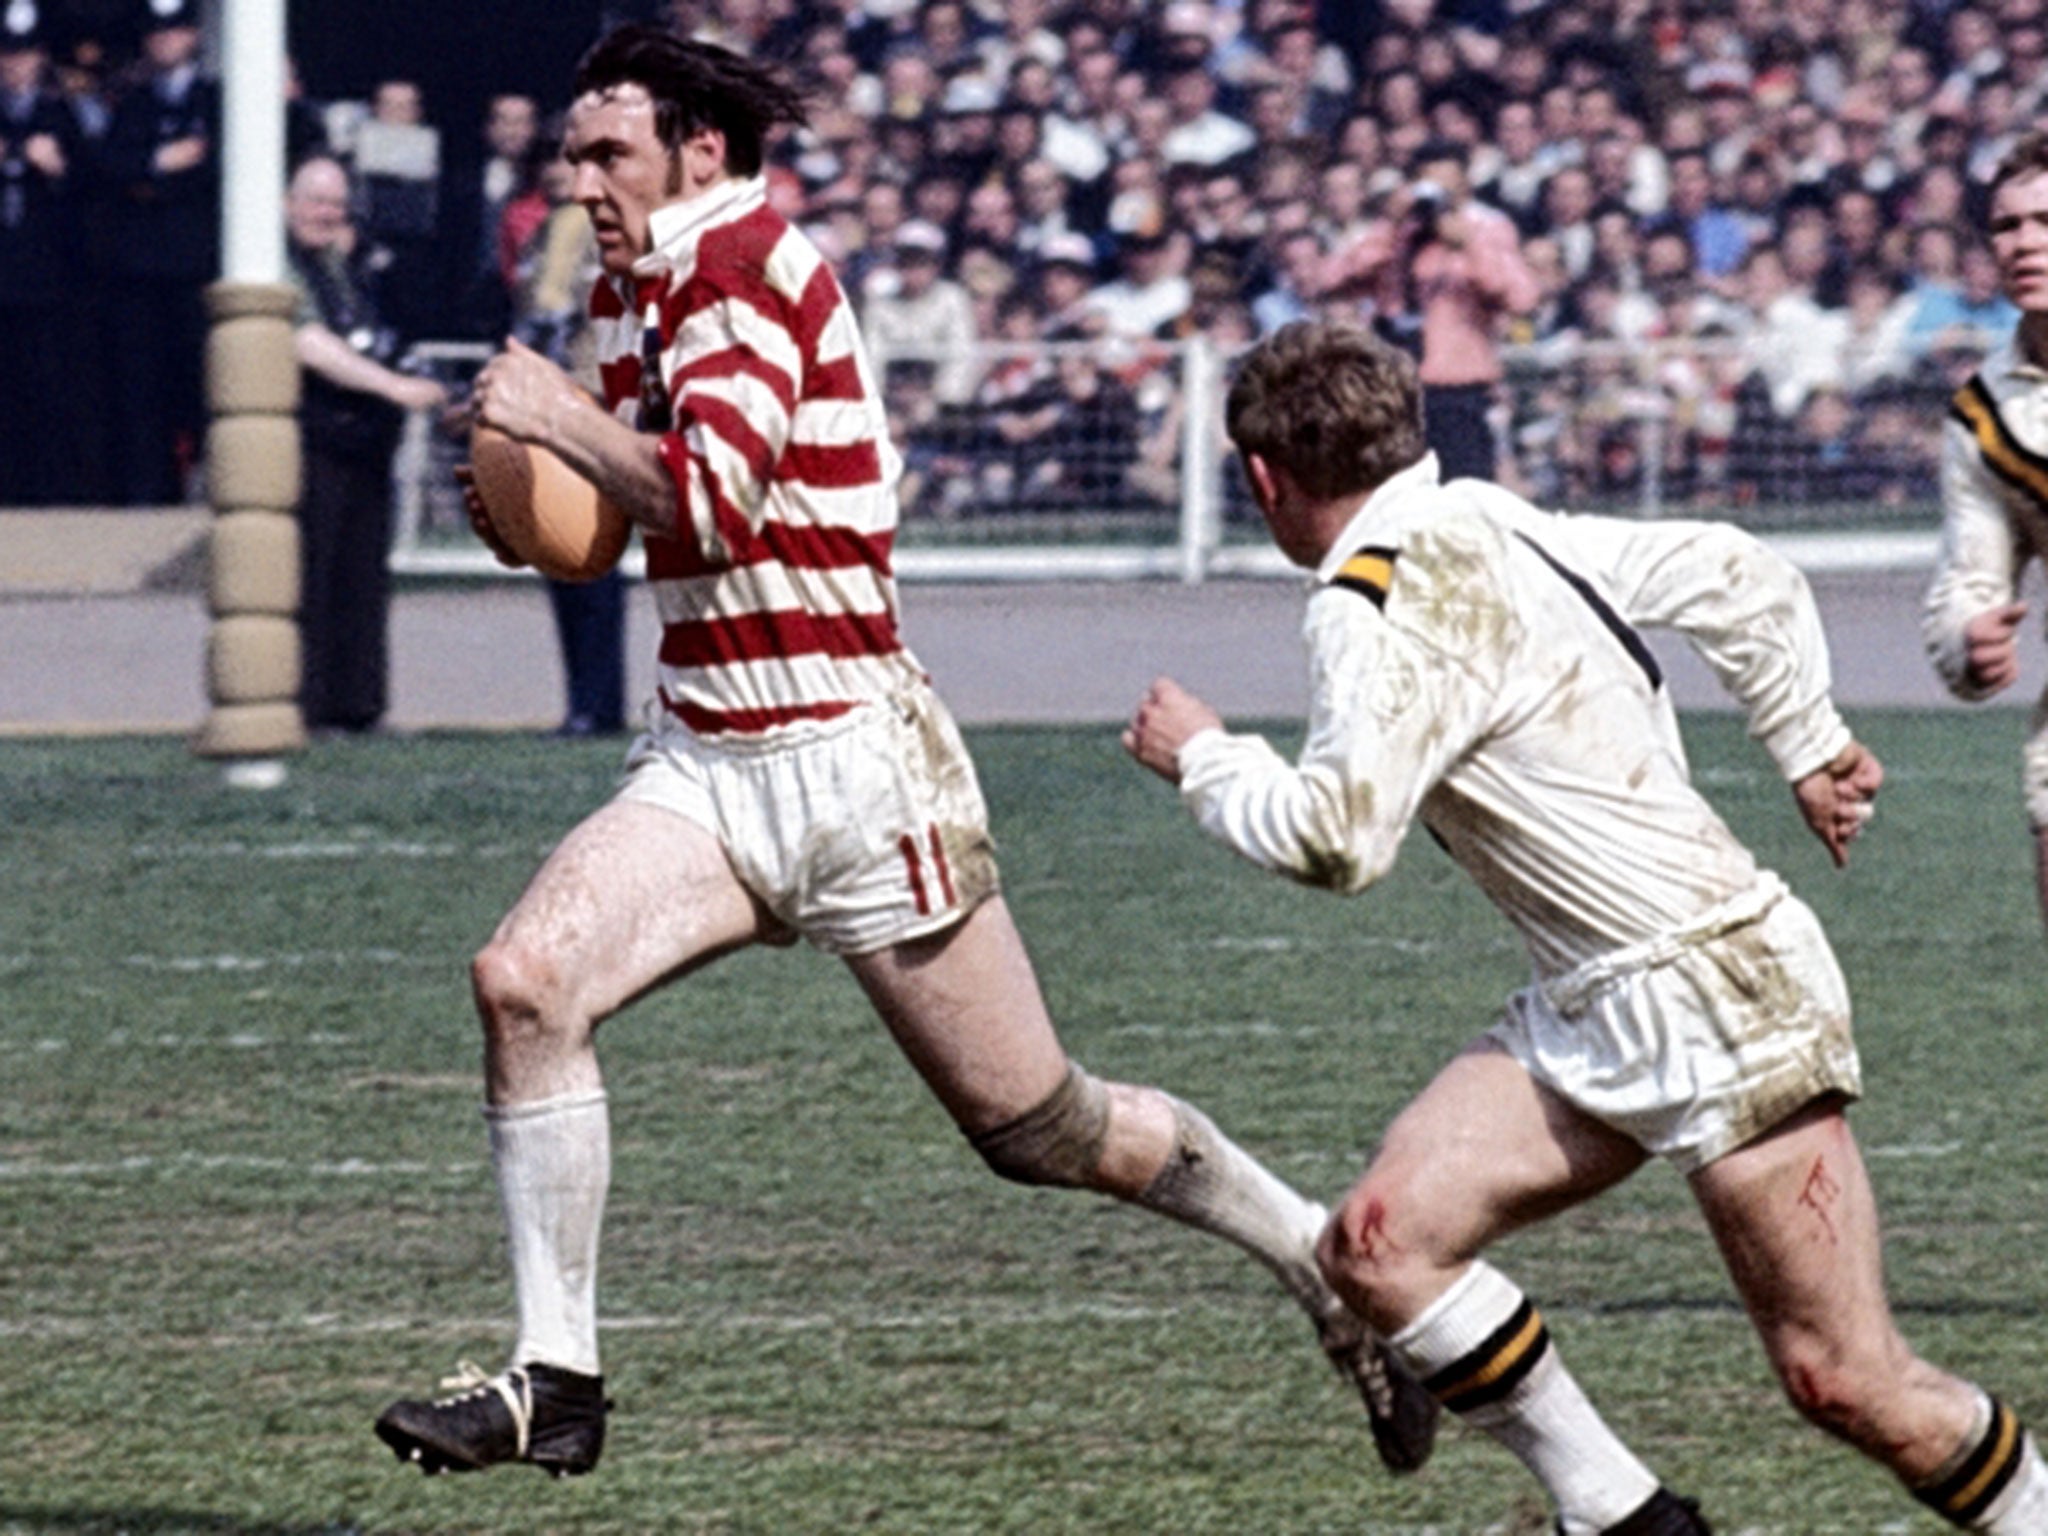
x: 1748, y: 226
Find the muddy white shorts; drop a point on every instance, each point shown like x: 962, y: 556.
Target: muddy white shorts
x: 858, y: 833
x: 1695, y: 1042
x: 2034, y: 767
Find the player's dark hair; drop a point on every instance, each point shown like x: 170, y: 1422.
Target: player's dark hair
x: 1329, y: 402
x: 695, y: 85
x: 2028, y: 154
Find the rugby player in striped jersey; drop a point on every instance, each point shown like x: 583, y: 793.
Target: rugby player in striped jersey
x: 799, y: 777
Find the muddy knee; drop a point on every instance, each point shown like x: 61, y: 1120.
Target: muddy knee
x: 1059, y: 1141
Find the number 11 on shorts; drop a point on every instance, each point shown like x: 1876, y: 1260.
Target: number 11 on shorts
x: 914, y: 858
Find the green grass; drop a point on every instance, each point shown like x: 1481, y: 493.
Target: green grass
x: 244, y: 1200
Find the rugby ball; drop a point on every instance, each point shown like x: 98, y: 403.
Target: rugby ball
x: 547, y: 514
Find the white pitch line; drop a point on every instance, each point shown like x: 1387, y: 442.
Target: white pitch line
x: 373, y: 848
x: 344, y: 1168
x: 893, y: 1320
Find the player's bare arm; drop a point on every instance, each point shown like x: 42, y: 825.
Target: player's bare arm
x: 1167, y: 718
x: 1839, y: 799
x: 1991, y: 644
x: 523, y: 395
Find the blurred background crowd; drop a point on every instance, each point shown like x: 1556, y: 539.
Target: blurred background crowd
x: 1730, y: 249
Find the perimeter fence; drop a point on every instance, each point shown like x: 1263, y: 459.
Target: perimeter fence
x: 1109, y: 460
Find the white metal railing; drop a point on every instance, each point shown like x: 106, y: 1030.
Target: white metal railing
x: 1108, y: 460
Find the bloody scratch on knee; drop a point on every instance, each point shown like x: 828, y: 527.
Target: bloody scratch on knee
x: 1372, y: 1231
x: 1820, y: 1193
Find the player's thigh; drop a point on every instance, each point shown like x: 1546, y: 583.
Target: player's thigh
x: 634, y: 895
x: 1796, y: 1222
x: 1483, y: 1150
x: 965, y: 1008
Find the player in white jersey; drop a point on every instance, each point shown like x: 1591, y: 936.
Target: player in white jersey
x: 802, y: 779
x: 1994, y: 482
x: 1477, y: 668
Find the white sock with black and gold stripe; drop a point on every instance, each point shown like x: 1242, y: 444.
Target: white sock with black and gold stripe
x: 1996, y: 1482
x: 1485, y: 1354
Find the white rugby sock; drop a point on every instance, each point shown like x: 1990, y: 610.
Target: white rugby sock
x: 553, y: 1160
x: 1213, y: 1184
x: 1996, y: 1482
x: 1485, y: 1354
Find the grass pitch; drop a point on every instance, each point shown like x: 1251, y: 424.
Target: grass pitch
x: 244, y: 1197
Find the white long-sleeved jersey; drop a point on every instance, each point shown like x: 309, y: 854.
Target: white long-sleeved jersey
x: 1475, y: 663
x: 1994, y: 499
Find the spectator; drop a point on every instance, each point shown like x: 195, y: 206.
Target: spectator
x: 882, y: 216
x: 922, y: 315
x: 1909, y: 85
x: 1726, y: 93
x: 990, y: 216
x: 1566, y: 216
x: 351, y: 406
x: 964, y: 134
x: 552, y: 270
x: 911, y: 87
x: 1026, y: 38
x: 1450, y: 268
x: 947, y: 36
x: 938, y: 197
x: 1044, y: 200
x: 1296, y: 291
x: 1034, y: 87
x: 396, y: 162
x: 1019, y: 139
x: 46, y: 451
x: 1076, y: 437
x: 989, y: 275
x: 1065, y: 277
x: 1967, y: 314
x: 1792, y: 344
x: 1292, y: 56
x: 1686, y: 310
x: 1856, y: 230
x: 1512, y: 172
x: 1549, y: 318
x: 1864, y: 160
x: 1088, y: 121
x: 1224, y: 217
x: 478, y: 189
x: 1759, y: 196
x: 1876, y: 347
x: 161, y: 163
x: 1152, y: 290
x: 1718, y: 235
x: 1341, y: 198
x: 1197, y: 133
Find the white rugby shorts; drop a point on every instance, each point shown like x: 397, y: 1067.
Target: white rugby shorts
x: 1695, y: 1043
x: 2034, y: 767
x: 859, y: 833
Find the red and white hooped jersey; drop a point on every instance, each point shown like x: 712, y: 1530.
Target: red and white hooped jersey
x: 776, y: 595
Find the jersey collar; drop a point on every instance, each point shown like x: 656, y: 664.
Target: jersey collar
x: 676, y: 228
x: 1421, y: 475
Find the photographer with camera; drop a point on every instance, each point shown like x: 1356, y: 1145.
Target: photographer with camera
x: 1439, y: 274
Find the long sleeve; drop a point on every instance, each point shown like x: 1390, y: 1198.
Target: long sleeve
x: 1979, y: 563
x: 1745, y: 610
x: 1388, y: 718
